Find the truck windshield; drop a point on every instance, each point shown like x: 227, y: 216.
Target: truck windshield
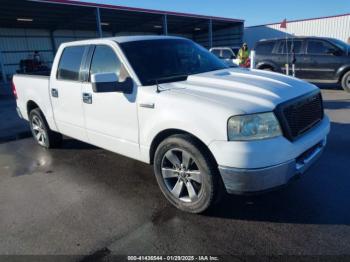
x: 166, y: 58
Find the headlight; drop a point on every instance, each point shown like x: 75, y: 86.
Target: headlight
x: 253, y: 127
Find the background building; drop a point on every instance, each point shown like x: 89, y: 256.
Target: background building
x: 331, y: 26
x: 38, y: 25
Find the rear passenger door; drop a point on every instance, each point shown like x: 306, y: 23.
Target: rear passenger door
x: 289, y: 50
x: 65, y: 91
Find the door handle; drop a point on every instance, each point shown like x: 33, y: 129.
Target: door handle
x: 54, y: 92
x: 87, y: 98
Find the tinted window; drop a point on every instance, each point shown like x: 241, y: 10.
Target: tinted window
x: 70, y: 62
x: 227, y: 54
x: 293, y: 46
x: 264, y: 47
x: 155, y: 59
x: 105, y: 61
x: 318, y: 47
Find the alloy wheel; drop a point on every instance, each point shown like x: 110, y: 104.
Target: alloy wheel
x: 181, y: 175
x: 39, y: 130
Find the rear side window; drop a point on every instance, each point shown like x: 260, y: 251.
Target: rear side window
x: 69, y: 66
x: 264, y: 47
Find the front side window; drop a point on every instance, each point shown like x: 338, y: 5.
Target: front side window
x: 319, y: 47
x: 105, y: 60
x: 164, y: 58
x: 69, y: 66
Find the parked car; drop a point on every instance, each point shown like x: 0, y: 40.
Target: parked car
x: 317, y: 59
x: 227, y: 54
x: 167, y: 101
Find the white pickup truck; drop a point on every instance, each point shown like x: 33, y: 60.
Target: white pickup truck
x: 169, y: 102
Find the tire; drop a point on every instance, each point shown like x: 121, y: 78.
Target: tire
x: 345, y: 82
x: 267, y: 69
x: 187, y: 174
x: 41, y: 131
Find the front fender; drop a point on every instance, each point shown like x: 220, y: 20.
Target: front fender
x: 205, y: 120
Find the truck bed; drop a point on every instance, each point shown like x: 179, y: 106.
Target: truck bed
x: 32, y: 88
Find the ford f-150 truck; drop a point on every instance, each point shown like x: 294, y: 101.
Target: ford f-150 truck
x: 167, y: 101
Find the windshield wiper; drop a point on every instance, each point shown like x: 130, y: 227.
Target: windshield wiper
x: 171, y: 78
x: 167, y: 79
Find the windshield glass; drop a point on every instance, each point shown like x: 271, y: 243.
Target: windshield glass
x: 163, y: 58
x: 342, y: 45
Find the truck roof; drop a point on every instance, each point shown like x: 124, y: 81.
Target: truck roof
x: 121, y: 39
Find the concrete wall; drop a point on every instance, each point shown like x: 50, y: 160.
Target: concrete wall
x: 337, y: 27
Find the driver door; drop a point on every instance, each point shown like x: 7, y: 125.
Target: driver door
x: 319, y: 61
x: 110, y: 116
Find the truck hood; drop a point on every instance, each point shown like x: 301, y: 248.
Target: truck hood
x: 242, y: 90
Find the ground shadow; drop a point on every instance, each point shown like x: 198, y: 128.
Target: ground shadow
x: 70, y: 143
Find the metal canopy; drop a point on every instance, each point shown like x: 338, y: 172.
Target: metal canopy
x: 62, y: 14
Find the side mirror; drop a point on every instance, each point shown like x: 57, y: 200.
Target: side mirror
x: 109, y: 82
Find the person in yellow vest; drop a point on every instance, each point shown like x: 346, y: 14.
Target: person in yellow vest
x: 243, y: 54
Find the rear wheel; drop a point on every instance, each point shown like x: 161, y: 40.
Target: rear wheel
x: 186, y: 174
x: 41, y: 131
x: 345, y: 82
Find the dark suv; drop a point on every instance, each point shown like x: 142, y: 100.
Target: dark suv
x: 316, y: 59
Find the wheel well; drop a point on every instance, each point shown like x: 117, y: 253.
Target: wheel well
x: 170, y: 132
x: 265, y: 66
x: 30, y: 106
x: 342, y: 74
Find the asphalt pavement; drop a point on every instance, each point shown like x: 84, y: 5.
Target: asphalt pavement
x: 84, y: 201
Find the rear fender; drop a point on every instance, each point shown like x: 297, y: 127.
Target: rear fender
x: 341, y: 71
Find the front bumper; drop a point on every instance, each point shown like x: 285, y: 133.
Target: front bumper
x: 245, y: 181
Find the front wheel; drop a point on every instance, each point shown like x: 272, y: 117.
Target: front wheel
x: 186, y: 174
x: 345, y: 82
x: 41, y: 132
